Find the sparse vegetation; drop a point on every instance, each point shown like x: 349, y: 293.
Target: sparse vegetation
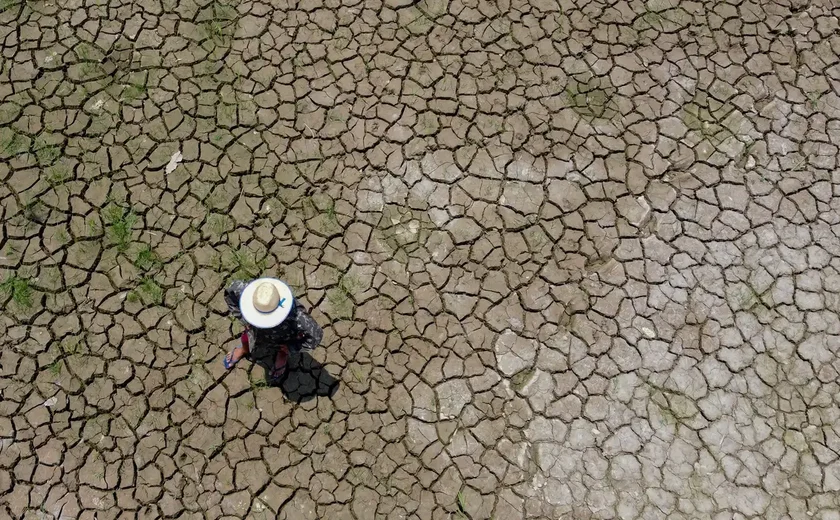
x: 357, y: 373
x: 55, y: 368
x: 217, y: 224
x: 35, y: 211
x: 6, y: 5
x: 341, y: 296
x: 150, y: 291
x: 521, y: 378
x: 18, y: 289
x: 348, y: 285
x: 93, y: 227
x: 13, y: 143
x: 462, y: 505
x: 146, y: 259
x: 120, y: 222
x: 330, y: 212
x: 133, y: 91
x: 712, y: 119
x: 221, y: 23
x: 813, y: 99
x: 57, y: 174
x: 257, y: 384
x: 72, y: 345
x: 90, y: 65
x: 245, y: 265
x: 591, y: 96
x: 403, y: 230
x: 47, y: 154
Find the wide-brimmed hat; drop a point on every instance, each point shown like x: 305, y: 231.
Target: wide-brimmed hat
x: 266, y: 302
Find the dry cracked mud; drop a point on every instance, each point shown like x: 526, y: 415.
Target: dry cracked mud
x: 573, y: 259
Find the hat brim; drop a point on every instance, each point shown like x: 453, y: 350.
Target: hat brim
x: 265, y: 320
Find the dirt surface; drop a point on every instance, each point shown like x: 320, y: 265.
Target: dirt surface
x: 572, y: 260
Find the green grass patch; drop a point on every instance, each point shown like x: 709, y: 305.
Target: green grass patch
x: 257, y: 384
x: 358, y: 375
x: 133, y: 91
x: 120, y: 222
x: 592, y: 97
x: 7, y: 5
x: 35, y: 211
x: 218, y: 224
x: 18, y: 289
x: 13, y: 143
x: 151, y: 291
x: 72, y: 345
x: 462, y: 505
x: 245, y: 265
x: 146, y: 259
x: 521, y: 378
x: 221, y: 23
x: 57, y: 174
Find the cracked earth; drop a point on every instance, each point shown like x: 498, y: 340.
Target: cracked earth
x: 573, y: 260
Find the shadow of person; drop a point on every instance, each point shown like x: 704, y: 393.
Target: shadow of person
x: 305, y: 378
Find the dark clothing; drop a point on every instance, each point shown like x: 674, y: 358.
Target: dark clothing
x: 298, y: 331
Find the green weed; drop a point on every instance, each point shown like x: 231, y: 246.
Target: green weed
x: 330, y: 212
x: 336, y: 116
x: 133, y: 91
x: 19, y: 290
x: 257, y: 384
x: 12, y: 250
x: 151, y: 291
x: 146, y: 259
x: 592, y: 97
x: 217, y: 224
x: 222, y: 23
x: 55, y: 368
x: 13, y: 143
x: 90, y: 66
x: 62, y: 236
x: 521, y: 378
x: 72, y: 345
x: 224, y: 11
x: 120, y: 223
x: 47, y: 154
x: 348, y: 285
x: 650, y: 20
x: 6, y: 5
x: 93, y: 227
x: 57, y: 174
x: 308, y: 206
x: 215, y: 32
x: 462, y: 505
x: 35, y: 211
x: 245, y: 265
x: 357, y: 374
x: 132, y: 297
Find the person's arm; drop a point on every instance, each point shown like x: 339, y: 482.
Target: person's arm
x: 232, y: 294
x: 309, y: 333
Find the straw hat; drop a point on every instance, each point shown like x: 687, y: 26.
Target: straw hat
x: 266, y: 302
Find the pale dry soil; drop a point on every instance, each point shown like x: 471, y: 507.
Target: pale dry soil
x: 574, y: 260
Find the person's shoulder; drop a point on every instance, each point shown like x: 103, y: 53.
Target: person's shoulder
x: 299, y: 310
x: 237, y: 285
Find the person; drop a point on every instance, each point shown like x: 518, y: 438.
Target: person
x: 273, y: 321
